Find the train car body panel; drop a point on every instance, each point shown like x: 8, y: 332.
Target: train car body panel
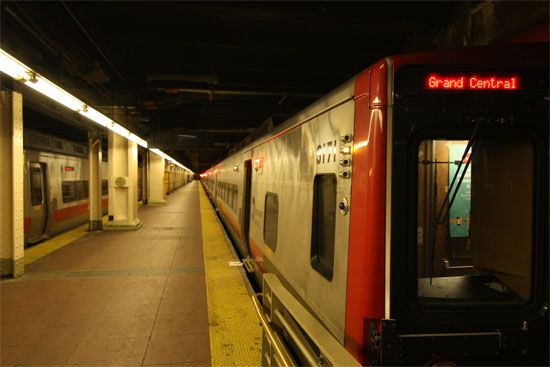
x: 366, y: 291
x: 314, y: 147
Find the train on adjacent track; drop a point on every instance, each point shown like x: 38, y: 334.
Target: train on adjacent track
x: 406, y: 212
x: 56, y: 179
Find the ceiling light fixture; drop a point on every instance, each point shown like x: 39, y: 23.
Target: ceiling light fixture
x: 168, y: 158
x: 21, y: 72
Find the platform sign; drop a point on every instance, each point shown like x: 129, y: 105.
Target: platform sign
x: 459, y: 214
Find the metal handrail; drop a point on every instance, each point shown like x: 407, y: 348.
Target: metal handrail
x: 280, y: 350
x: 311, y: 359
x: 449, y: 267
x: 300, y: 326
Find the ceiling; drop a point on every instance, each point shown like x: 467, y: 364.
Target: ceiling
x: 196, y: 78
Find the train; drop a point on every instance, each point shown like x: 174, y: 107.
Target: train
x: 56, y: 192
x: 402, y: 219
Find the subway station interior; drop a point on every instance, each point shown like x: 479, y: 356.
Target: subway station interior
x: 212, y: 183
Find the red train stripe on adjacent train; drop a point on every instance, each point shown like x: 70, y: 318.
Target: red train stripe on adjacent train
x: 64, y: 214
x: 366, y: 269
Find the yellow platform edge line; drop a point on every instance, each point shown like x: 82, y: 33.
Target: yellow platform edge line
x: 235, y: 334
x: 55, y: 243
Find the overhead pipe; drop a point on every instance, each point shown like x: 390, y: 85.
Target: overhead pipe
x: 54, y: 51
x: 238, y: 92
x: 92, y: 41
x: 204, y: 78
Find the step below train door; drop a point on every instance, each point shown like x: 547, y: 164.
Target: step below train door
x: 38, y: 200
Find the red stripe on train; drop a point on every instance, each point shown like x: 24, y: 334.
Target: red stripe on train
x: 255, y: 251
x: 64, y: 214
x: 232, y: 223
x: 257, y: 254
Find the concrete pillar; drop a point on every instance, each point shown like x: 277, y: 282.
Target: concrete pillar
x: 123, y: 176
x: 12, y: 165
x: 145, y: 178
x: 94, y: 159
x: 157, y: 194
x: 173, y: 177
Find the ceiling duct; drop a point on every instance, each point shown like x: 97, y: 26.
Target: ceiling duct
x: 200, y: 78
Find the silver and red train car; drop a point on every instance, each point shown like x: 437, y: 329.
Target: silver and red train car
x: 407, y: 210
x: 56, y: 176
x: 56, y: 179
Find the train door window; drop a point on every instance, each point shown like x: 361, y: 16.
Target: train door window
x: 36, y: 186
x: 475, y: 221
x: 271, y: 219
x: 68, y: 191
x: 323, y: 224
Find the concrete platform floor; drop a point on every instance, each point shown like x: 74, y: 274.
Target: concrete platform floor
x: 115, y: 298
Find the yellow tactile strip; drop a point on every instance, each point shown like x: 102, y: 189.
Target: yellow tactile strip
x: 235, y: 334
x: 44, y: 248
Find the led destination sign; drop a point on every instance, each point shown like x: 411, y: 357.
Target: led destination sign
x: 472, y: 82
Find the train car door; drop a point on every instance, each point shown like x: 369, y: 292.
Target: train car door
x: 246, y: 202
x: 39, y: 206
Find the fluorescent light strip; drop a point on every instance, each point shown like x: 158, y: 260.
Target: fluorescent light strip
x: 97, y: 117
x: 13, y: 67
x: 21, y: 72
x: 50, y: 90
x: 168, y: 158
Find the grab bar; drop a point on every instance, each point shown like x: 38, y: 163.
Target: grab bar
x: 281, y: 353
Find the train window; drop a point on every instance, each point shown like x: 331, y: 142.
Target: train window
x: 104, y: 187
x: 81, y: 190
x: 271, y: 219
x: 475, y: 221
x: 68, y: 191
x: 78, y: 149
x: 323, y: 224
x: 36, y: 186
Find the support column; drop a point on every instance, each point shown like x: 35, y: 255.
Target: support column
x: 123, y: 166
x: 157, y: 193
x: 145, y: 192
x: 12, y: 165
x: 95, y: 187
x: 172, y: 178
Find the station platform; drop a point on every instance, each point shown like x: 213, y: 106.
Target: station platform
x: 166, y: 294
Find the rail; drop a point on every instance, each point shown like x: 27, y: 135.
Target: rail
x: 307, y: 341
x: 281, y: 352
